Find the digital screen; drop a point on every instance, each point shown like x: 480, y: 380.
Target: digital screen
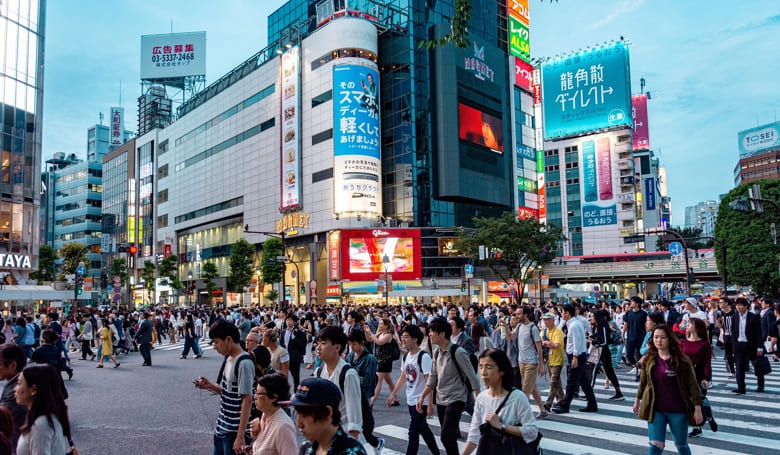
x: 480, y: 128
x: 366, y: 254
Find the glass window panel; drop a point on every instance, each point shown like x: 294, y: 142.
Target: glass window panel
x: 21, y: 63
x: 10, y: 50
x: 32, y: 61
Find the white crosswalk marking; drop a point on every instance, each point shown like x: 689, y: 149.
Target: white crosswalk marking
x: 179, y: 345
x: 748, y: 424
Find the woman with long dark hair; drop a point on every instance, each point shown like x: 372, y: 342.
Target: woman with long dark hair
x: 515, y: 417
x: 480, y: 338
x: 668, y: 393
x: 189, y: 338
x: 697, y: 346
x: 602, y: 334
x: 46, y: 429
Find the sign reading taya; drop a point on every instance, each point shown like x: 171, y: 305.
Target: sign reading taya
x: 15, y: 261
x: 291, y: 188
x: 356, y: 139
x: 477, y: 65
x: 586, y: 91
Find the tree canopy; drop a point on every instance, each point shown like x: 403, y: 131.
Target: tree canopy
x: 515, y: 246
x: 272, y: 270
x: 208, y: 274
x: 47, y: 265
x: 751, y: 255
x: 73, y: 253
x: 242, y: 265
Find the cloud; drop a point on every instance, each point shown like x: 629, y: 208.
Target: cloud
x: 623, y: 7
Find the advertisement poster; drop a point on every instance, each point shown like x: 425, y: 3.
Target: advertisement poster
x: 641, y: 136
x: 755, y: 140
x: 365, y: 251
x: 650, y: 193
x: 598, y: 183
x: 519, y: 39
x: 117, y: 126
x: 519, y: 9
x: 356, y: 143
x: 173, y: 55
x: 524, y: 74
x: 480, y: 128
x: 586, y: 91
x: 290, y: 130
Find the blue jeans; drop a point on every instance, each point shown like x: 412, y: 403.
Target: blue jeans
x: 418, y: 426
x: 656, y: 431
x: 196, y: 346
x: 224, y: 445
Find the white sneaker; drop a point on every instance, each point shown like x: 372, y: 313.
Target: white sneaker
x: 380, y: 446
x: 633, y: 371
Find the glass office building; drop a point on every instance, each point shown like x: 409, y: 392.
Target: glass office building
x: 22, y: 24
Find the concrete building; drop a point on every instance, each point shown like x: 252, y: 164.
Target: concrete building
x: 759, y: 154
x: 702, y: 216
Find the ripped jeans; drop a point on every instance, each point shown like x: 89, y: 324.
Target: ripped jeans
x: 656, y: 431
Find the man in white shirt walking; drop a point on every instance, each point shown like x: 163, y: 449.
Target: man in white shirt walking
x: 577, y: 352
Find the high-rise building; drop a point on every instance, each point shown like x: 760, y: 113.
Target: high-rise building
x: 759, y: 154
x: 100, y: 140
x: 702, y: 216
x: 22, y: 25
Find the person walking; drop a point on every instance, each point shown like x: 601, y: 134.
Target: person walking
x: 530, y: 356
x: 189, y: 338
x: 668, y: 393
x: 143, y: 337
x: 747, y: 342
x: 86, y: 339
x: 46, y: 430
x: 274, y: 432
x: 106, y: 344
x: 577, y: 352
x: 553, y: 341
x: 293, y: 338
x: 634, y: 331
x: 500, y: 406
x: 602, y: 336
x: 698, y: 348
x: 383, y: 340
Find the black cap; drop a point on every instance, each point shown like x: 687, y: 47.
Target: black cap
x: 315, y: 392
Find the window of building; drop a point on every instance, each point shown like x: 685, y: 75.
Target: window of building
x: 162, y: 221
x: 322, y: 175
x: 321, y: 98
x: 162, y: 196
x: 342, y: 53
x: 322, y: 137
x: 162, y: 171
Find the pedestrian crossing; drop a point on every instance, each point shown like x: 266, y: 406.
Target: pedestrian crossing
x: 179, y: 345
x: 748, y: 424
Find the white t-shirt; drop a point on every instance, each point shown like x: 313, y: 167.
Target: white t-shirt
x: 198, y: 327
x: 516, y: 411
x: 415, y: 379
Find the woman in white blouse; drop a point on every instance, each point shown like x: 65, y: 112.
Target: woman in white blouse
x: 515, y: 417
x: 46, y: 429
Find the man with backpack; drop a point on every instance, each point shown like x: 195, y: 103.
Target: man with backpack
x: 366, y: 365
x: 529, y: 344
x: 331, y: 343
x: 415, y: 370
x: 450, y: 372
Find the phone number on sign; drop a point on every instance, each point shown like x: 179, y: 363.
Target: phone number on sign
x: 173, y: 57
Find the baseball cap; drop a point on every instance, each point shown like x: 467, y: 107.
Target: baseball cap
x: 548, y: 316
x: 315, y: 392
x: 692, y: 301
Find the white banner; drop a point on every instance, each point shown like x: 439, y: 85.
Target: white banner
x: 290, y: 129
x: 173, y: 55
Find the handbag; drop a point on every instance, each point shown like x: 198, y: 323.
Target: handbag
x: 498, y: 442
x: 762, y: 367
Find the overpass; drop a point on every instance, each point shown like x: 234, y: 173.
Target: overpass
x: 661, y: 270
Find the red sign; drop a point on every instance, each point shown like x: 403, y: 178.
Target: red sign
x: 334, y: 256
x: 333, y: 291
x: 641, y: 140
x: 369, y: 252
x: 502, y: 286
x: 524, y: 74
x: 537, y: 94
x: 167, y: 250
x: 526, y: 212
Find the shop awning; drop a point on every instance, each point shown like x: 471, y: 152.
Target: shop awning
x: 34, y: 292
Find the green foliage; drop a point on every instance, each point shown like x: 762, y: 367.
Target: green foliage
x: 167, y: 271
x: 692, y: 238
x: 272, y: 272
x: 271, y: 295
x: 118, y: 268
x: 73, y: 253
x: 751, y: 256
x: 47, y: 265
x: 147, y: 274
x: 515, y: 246
x: 242, y: 265
x: 208, y: 274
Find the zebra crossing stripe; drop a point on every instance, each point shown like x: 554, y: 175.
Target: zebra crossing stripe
x: 394, y: 431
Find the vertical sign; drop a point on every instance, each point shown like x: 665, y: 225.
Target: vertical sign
x: 519, y: 39
x: 291, y: 188
x: 334, y: 260
x: 519, y: 9
x: 542, y: 193
x: 599, y: 207
x: 356, y: 139
x: 641, y: 136
x: 117, y: 126
x: 650, y: 193
x: 524, y: 76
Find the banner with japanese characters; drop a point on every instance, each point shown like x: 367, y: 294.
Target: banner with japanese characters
x: 586, y: 91
x: 290, y: 131
x: 173, y: 55
x: 117, y: 126
x: 356, y: 142
x: 519, y: 39
x: 641, y: 136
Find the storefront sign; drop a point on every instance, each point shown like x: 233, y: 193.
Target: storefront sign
x: 334, y: 257
x: 333, y: 291
x: 447, y: 247
x: 476, y: 64
x: 293, y: 220
x: 15, y: 261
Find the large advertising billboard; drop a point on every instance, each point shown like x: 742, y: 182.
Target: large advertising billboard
x: 524, y: 74
x: 290, y: 130
x: 586, y: 91
x: 173, y: 55
x: 368, y: 253
x: 356, y: 142
x: 641, y: 136
x: 480, y: 128
x: 758, y: 139
x: 519, y: 39
x: 117, y: 126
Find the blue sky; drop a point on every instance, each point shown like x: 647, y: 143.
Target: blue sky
x: 712, y: 67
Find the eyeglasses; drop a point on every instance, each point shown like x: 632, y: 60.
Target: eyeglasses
x: 257, y: 394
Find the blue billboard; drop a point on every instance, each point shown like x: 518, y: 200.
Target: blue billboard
x: 586, y: 91
x: 356, y: 145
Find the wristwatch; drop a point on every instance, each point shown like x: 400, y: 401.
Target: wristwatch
x: 503, y: 427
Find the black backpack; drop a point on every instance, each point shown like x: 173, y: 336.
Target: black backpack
x: 243, y: 356
x: 395, y: 351
x: 365, y: 407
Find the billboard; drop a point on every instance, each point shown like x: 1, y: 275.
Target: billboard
x: 650, y: 193
x: 290, y: 130
x: 173, y: 55
x: 356, y: 142
x: 641, y: 136
x: 524, y: 74
x: 757, y: 139
x: 480, y: 128
x: 117, y: 126
x: 519, y: 39
x: 364, y: 251
x: 519, y: 9
x: 586, y: 91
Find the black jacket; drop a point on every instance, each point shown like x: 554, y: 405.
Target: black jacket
x: 144, y: 333
x: 752, y: 332
x: 767, y: 321
x: 297, y: 347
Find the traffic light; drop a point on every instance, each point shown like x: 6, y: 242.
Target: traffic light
x: 132, y: 249
x: 303, y: 289
x: 740, y: 204
x: 79, y: 285
x: 462, y: 286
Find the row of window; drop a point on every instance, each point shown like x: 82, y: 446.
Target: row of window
x: 210, y: 209
x: 760, y: 162
x: 80, y: 204
x: 211, y: 151
x: 82, y: 174
x: 342, y: 53
x: 79, y: 220
x: 78, y: 235
x: 226, y: 115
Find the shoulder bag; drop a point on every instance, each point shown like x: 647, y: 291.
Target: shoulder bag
x: 498, y: 442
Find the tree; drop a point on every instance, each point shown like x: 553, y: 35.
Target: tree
x: 167, y: 271
x: 272, y: 271
x: 751, y: 255
x: 208, y: 275
x: 242, y: 265
x: 47, y: 265
x: 72, y: 254
x: 147, y: 274
x: 515, y: 246
x: 692, y: 236
x: 119, y: 268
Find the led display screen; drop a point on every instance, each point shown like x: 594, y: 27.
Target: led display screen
x: 480, y: 128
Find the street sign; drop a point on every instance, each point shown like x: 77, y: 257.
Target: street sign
x: 109, y: 288
x: 468, y: 268
x: 270, y: 262
x: 81, y: 270
x: 117, y: 280
x: 117, y: 297
x: 117, y: 289
x: 675, y: 248
x: 636, y: 238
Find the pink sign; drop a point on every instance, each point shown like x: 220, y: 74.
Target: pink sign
x: 524, y: 74
x: 641, y: 128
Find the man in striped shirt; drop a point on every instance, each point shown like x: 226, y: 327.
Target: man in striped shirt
x: 236, y: 380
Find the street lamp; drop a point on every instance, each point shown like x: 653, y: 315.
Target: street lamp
x: 280, y: 236
x: 385, y: 262
x: 189, y: 288
x: 541, y: 291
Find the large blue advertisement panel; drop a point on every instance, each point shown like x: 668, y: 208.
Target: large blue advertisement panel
x: 356, y: 142
x: 586, y: 91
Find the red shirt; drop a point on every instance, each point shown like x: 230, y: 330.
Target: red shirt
x: 668, y: 397
x: 700, y: 353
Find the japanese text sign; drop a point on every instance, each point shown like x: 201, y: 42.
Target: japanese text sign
x: 641, y: 136
x: 290, y: 131
x: 519, y: 39
x: 173, y: 55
